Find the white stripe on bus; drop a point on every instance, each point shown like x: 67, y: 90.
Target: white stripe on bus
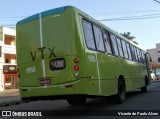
x: 99, y: 78
x: 41, y: 44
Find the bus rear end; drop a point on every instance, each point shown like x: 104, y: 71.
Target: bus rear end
x: 47, y: 54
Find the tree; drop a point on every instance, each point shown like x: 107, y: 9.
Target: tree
x: 128, y: 36
x: 154, y: 65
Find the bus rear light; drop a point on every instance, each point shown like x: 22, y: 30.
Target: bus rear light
x: 76, y: 74
x: 76, y: 67
x: 76, y: 60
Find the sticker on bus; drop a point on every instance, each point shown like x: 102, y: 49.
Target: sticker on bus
x: 92, y: 58
x: 30, y: 70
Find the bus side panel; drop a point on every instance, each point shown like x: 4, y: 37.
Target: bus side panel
x: 93, y: 73
x: 97, y: 83
x: 108, y: 74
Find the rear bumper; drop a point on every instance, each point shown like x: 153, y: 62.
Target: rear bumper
x: 61, y: 90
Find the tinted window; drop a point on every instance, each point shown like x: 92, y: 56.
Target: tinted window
x: 98, y: 38
x: 138, y: 55
x: 129, y: 51
x: 114, y: 44
x: 133, y: 53
x: 107, y: 42
x: 120, y: 47
x: 125, y: 49
x: 88, y: 34
x: 141, y: 57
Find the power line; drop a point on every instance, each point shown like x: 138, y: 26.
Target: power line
x: 122, y: 13
x: 128, y: 12
x: 131, y: 18
x: 151, y: 16
x: 145, y: 16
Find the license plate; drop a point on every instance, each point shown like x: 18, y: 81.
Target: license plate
x: 57, y: 64
x: 45, y: 81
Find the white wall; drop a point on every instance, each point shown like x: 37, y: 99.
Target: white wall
x: 6, y: 49
x: 155, y: 52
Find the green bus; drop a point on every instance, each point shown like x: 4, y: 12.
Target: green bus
x: 65, y: 53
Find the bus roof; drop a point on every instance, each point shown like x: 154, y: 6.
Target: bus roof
x: 44, y: 14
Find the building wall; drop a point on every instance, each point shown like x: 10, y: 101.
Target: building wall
x: 155, y: 53
x: 7, y: 50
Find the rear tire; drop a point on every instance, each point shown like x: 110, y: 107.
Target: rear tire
x: 76, y: 100
x: 144, y: 89
x: 121, y: 92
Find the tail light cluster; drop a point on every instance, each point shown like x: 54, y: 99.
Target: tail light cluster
x: 76, y: 67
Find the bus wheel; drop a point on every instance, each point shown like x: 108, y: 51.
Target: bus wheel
x: 121, y: 92
x: 76, y: 100
x: 144, y: 89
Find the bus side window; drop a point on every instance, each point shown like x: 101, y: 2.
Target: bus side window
x: 120, y: 47
x: 141, y: 53
x: 88, y: 32
x: 98, y: 38
x: 125, y: 49
x: 114, y: 44
x: 138, y: 55
x: 133, y: 53
x: 129, y: 51
x: 107, y: 42
x: 135, y: 50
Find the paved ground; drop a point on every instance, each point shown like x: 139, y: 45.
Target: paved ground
x: 9, y: 92
x: 9, y: 97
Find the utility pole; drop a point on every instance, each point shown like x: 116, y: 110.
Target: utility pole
x: 157, y: 1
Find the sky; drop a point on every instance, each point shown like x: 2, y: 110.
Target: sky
x: 140, y: 17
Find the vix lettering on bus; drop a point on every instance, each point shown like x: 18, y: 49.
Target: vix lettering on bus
x: 52, y: 54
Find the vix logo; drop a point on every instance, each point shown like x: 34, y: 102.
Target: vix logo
x: 52, y: 54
